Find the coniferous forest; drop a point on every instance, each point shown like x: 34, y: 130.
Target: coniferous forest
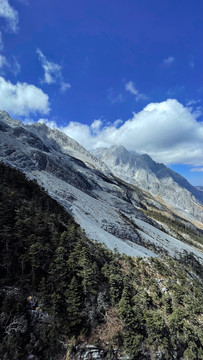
x: 60, y: 291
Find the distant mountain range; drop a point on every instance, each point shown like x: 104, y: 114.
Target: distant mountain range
x: 124, y: 200
x: 154, y: 177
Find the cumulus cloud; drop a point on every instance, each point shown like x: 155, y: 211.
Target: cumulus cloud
x: 52, y: 72
x: 10, y: 15
x: 22, y: 99
x: 118, y: 122
x: 195, y: 108
x: 167, y: 131
x: 96, y: 126
x: 130, y: 86
x: 168, y: 61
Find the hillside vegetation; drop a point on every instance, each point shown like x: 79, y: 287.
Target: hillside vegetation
x: 60, y: 292
x: 182, y: 229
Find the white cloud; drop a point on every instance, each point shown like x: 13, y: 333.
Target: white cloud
x: 169, y: 61
x: 167, y: 131
x: 96, y: 126
x: 195, y: 108
x: 199, y: 169
x: 81, y: 133
x: 118, y: 122
x: 192, y: 102
x: 130, y: 86
x: 64, y: 86
x: 197, y: 112
x: 22, y: 99
x: 10, y: 15
x: 52, y: 72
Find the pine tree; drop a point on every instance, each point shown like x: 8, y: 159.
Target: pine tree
x: 73, y: 306
x: 130, y: 316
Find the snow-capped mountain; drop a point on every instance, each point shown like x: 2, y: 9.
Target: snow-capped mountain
x: 154, y: 177
x: 108, y: 209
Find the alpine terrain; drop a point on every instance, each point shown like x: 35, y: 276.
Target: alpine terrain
x: 154, y: 177
x: 109, y: 209
x: 95, y: 265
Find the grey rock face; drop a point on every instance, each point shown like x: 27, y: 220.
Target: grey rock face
x: 22, y: 148
x: 109, y: 210
x: 154, y: 177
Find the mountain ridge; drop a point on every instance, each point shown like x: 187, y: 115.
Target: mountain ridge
x: 108, y: 209
x: 154, y: 177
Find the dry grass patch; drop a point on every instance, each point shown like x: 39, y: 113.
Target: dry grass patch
x: 107, y: 331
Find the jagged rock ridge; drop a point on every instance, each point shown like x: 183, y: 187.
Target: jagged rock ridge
x: 109, y: 210
x: 161, y: 181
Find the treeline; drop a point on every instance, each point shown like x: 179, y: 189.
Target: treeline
x: 58, y: 288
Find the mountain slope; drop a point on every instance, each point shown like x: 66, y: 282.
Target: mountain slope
x: 161, y: 181
x: 43, y: 138
x: 63, y: 296
x: 108, y: 209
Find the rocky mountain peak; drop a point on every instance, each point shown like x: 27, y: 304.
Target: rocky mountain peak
x: 119, y: 153
x: 41, y: 137
x: 109, y: 210
x: 154, y: 177
x: 5, y: 117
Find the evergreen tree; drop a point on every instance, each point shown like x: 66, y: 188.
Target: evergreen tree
x: 73, y: 299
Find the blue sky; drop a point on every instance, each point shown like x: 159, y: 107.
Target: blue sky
x: 109, y: 72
